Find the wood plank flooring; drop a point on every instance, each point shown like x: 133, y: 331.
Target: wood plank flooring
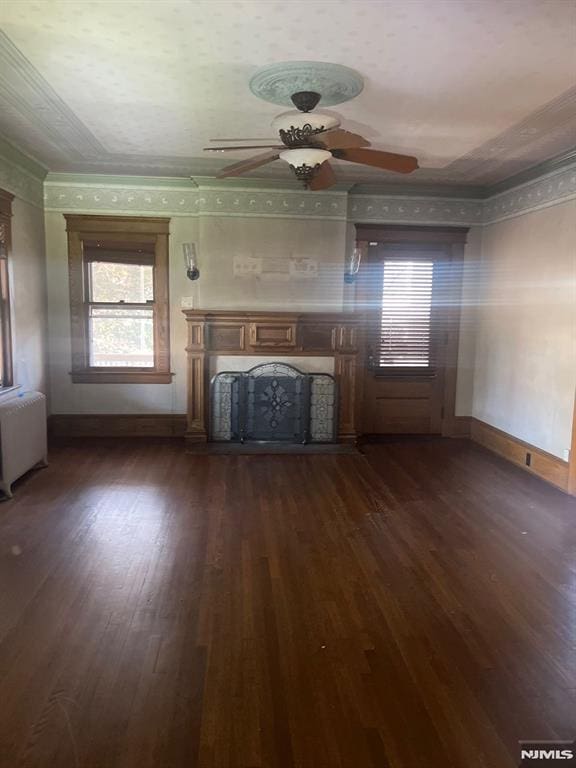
x: 414, y: 607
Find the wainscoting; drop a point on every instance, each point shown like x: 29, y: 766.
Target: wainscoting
x: 117, y: 425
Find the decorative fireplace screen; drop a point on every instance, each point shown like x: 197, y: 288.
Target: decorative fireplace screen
x: 273, y: 402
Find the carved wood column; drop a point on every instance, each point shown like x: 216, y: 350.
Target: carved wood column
x: 197, y: 410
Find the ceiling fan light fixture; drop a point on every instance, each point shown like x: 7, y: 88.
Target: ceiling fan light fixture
x: 297, y: 128
x: 305, y: 161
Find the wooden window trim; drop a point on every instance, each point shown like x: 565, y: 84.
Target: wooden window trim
x: 153, y: 230
x: 6, y: 356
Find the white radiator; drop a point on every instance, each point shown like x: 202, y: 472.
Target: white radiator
x: 22, y: 436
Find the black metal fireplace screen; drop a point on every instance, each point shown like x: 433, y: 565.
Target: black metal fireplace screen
x: 273, y: 402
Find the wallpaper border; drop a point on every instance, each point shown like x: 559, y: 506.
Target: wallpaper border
x: 182, y: 197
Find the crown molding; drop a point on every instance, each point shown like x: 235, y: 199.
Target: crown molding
x: 558, y: 163
x: 30, y: 101
x: 403, y: 189
x: 113, y: 180
x: 248, y: 183
x: 21, y: 175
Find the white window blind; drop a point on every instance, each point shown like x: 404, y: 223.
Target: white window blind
x: 406, y: 318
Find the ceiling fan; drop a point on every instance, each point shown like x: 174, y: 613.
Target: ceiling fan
x: 309, y: 140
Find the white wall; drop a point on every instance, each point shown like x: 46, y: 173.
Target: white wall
x: 219, y: 239
x: 525, y: 364
x: 28, y: 290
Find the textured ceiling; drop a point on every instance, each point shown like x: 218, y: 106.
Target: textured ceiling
x: 477, y: 89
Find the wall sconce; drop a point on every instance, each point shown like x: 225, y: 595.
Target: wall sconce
x: 353, y: 265
x: 189, y: 252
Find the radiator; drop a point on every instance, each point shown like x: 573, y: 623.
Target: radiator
x: 22, y: 436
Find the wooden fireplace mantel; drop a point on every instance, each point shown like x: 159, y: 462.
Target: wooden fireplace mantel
x: 274, y: 334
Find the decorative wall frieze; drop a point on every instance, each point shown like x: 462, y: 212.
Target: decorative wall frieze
x: 120, y: 199
x: 548, y: 190
x: 272, y: 203
x: 184, y: 197
x: 413, y: 210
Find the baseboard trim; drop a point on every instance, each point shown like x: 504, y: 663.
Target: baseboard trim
x: 457, y: 426
x: 117, y: 425
x: 542, y: 464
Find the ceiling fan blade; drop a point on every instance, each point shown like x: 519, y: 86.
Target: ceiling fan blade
x: 248, y: 165
x: 388, y: 161
x: 338, y: 138
x: 249, y: 146
x: 254, y: 138
x: 323, y: 178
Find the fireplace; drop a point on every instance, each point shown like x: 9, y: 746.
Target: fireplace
x: 306, y: 338
x: 273, y: 402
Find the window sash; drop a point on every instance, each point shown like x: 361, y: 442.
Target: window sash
x: 151, y: 304
x: 405, y: 325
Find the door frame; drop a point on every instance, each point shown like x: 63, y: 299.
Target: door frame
x: 451, y: 242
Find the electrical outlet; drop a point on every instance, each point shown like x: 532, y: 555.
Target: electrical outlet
x: 187, y: 302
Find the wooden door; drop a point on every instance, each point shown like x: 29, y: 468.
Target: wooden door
x: 410, y: 293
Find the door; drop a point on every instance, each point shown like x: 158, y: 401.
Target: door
x: 410, y: 293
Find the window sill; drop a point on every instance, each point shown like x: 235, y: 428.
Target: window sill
x: 88, y: 376
x: 7, y: 391
x: 403, y: 373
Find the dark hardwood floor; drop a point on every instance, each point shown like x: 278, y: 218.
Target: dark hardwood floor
x: 411, y: 608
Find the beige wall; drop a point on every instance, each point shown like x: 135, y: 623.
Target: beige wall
x: 28, y: 289
x: 525, y: 364
x: 468, y: 321
x: 511, y: 326
x: 219, y: 240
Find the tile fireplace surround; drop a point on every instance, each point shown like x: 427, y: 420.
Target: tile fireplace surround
x: 270, y: 335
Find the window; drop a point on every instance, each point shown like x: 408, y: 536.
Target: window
x: 406, y: 316
x: 6, y: 378
x: 119, y: 299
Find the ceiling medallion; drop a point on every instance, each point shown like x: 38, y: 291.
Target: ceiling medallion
x: 278, y: 82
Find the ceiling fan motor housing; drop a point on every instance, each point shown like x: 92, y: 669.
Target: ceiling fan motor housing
x: 305, y: 101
